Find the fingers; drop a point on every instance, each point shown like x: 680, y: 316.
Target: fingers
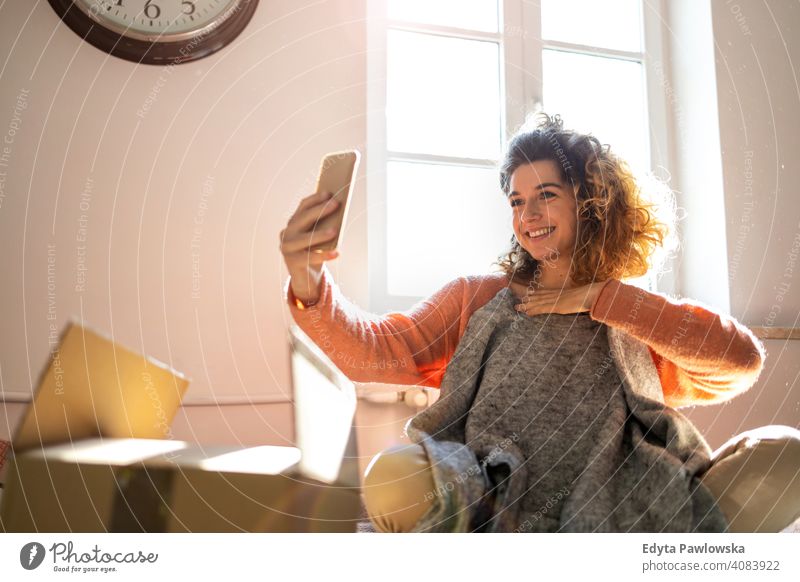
x: 541, y: 293
x: 523, y: 309
x: 320, y: 258
x: 552, y: 301
x: 299, y: 242
x: 535, y: 308
x: 311, y: 200
x: 301, y: 234
x: 305, y: 217
x: 314, y: 259
x: 537, y: 302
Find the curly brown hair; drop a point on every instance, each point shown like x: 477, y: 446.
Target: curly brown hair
x: 620, y: 225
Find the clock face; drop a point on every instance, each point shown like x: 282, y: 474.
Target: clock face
x: 157, y: 31
x: 158, y: 20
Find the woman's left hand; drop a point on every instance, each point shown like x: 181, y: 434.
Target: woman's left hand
x: 564, y: 301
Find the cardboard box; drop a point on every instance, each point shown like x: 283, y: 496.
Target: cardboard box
x: 149, y: 485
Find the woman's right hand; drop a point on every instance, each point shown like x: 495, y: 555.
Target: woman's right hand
x: 296, y: 240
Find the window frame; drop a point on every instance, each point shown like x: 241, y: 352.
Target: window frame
x: 521, y: 93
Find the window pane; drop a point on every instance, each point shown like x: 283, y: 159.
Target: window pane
x: 614, y: 24
x: 472, y: 14
x: 602, y: 96
x: 443, y: 95
x: 443, y: 222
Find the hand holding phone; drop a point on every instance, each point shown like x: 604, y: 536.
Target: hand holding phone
x: 336, y: 176
x: 314, y: 230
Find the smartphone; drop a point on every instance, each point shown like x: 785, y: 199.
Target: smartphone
x: 336, y: 174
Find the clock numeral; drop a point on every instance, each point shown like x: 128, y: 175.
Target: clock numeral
x: 151, y: 10
x: 188, y: 7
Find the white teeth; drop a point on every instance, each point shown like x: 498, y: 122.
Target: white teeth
x: 541, y: 231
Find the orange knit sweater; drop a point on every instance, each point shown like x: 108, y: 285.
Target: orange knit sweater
x: 702, y: 357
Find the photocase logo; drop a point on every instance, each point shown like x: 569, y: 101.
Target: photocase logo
x: 31, y: 555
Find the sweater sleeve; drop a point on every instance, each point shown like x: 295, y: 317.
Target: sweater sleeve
x: 702, y: 357
x: 408, y: 347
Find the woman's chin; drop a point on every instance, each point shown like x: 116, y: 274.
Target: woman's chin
x: 540, y: 251
x: 543, y: 253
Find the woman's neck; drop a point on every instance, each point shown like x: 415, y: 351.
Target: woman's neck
x: 548, y: 279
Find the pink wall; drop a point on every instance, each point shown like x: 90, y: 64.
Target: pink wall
x: 152, y: 197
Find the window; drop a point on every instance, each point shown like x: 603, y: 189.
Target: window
x: 450, y: 81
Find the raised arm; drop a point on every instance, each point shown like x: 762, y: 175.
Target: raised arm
x: 702, y: 357
x: 409, y: 347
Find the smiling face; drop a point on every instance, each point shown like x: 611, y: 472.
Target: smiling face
x: 540, y: 199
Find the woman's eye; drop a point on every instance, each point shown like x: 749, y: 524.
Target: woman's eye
x: 545, y: 194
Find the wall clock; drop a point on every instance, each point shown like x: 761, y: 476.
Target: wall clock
x: 157, y: 32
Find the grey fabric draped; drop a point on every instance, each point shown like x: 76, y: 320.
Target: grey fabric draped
x: 644, y: 470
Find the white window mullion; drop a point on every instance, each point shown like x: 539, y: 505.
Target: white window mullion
x: 377, y: 156
x: 659, y: 97
x: 513, y: 69
x: 445, y: 160
x: 593, y: 51
x: 533, y: 77
x: 443, y: 30
x: 658, y: 86
x: 522, y: 49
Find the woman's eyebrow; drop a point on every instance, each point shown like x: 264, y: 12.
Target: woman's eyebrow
x: 540, y: 187
x: 547, y: 184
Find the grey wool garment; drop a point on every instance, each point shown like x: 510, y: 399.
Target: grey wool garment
x: 572, y: 411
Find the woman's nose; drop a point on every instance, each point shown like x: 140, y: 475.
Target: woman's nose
x: 531, y: 212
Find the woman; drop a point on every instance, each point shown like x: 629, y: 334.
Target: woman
x: 542, y: 412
